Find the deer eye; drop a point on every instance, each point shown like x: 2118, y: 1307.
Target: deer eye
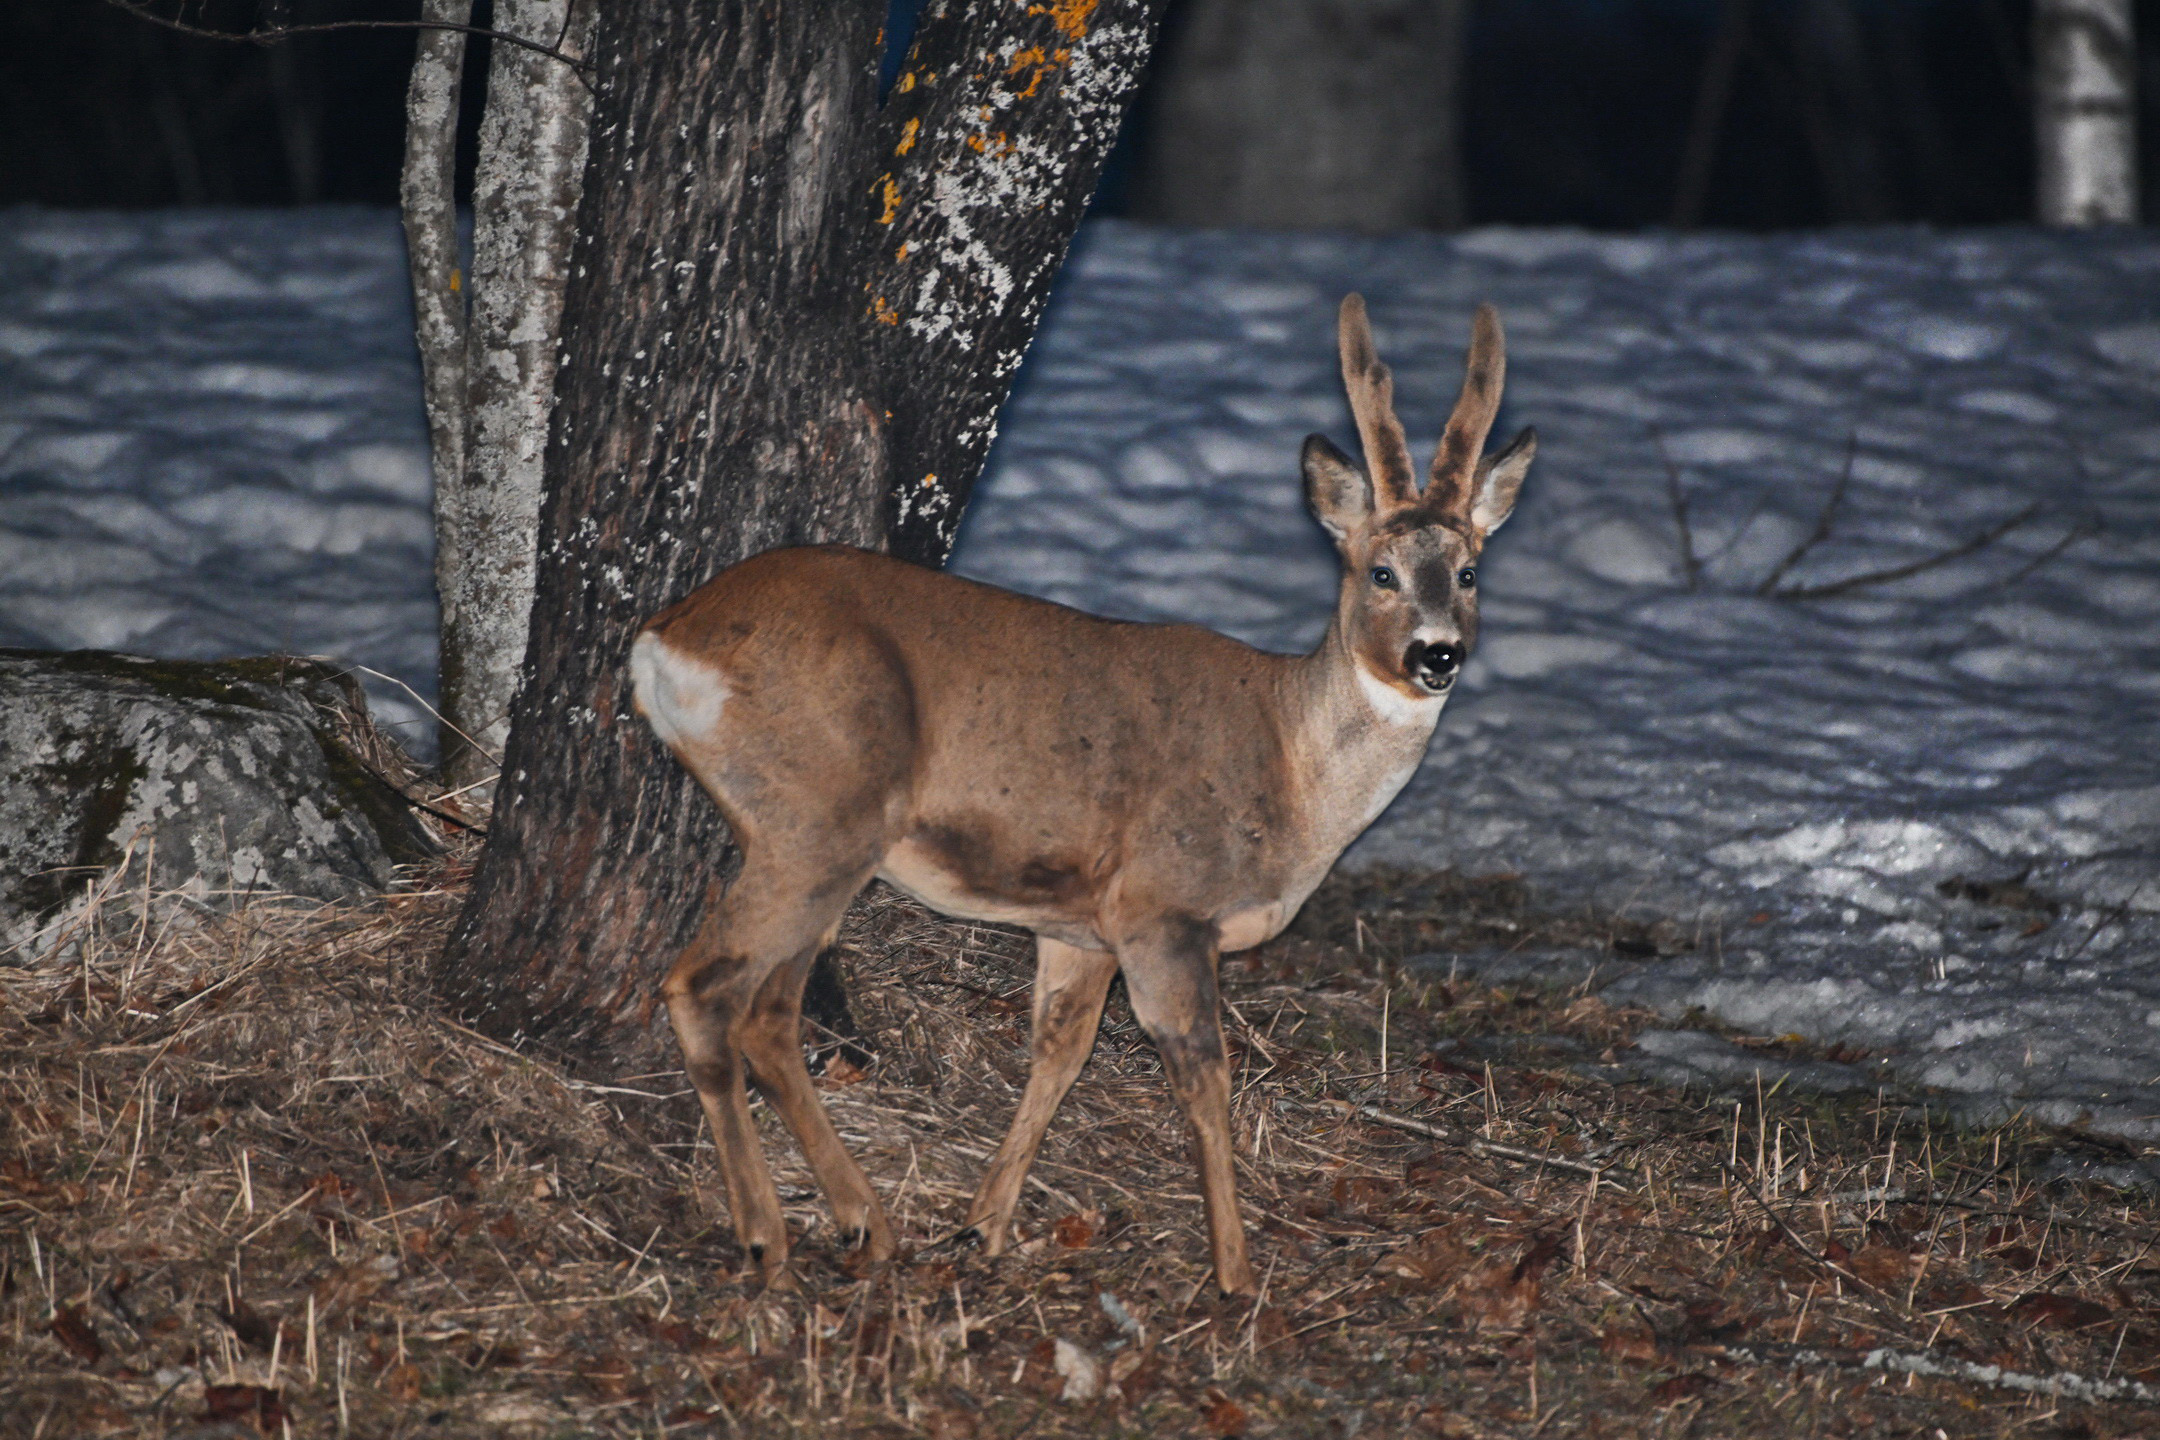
x: 1383, y: 577
x: 1467, y: 577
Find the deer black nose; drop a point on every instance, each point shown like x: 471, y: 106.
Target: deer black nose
x: 1432, y: 666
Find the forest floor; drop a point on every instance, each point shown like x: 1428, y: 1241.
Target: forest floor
x: 252, y: 1179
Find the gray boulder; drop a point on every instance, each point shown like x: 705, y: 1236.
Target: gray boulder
x: 230, y: 781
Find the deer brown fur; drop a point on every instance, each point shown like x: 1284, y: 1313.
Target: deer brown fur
x: 1143, y: 797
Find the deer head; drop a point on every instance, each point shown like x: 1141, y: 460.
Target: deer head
x: 1407, y: 609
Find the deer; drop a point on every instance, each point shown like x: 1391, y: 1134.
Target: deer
x: 1144, y: 798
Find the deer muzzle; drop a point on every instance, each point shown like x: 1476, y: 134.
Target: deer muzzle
x: 1432, y: 665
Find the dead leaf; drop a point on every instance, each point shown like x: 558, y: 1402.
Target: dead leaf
x: 1354, y: 1193
x: 1448, y: 1425
x: 841, y: 1072
x: 1224, y: 1416
x: 1081, y: 1371
x: 611, y: 1376
x: 1435, y: 1258
x: 1502, y: 1296
x: 1133, y: 1373
x: 1681, y: 1387
x: 2060, y: 1312
x: 331, y: 1188
x: 402, y: 1382
x: 355, y: 1284
x: 256, y: 1405
x: 1272, y: 1330
x: 248, y: 1324
x: 950, y: 1422
x: 71, y: 1330
x: 1630, y: 1342
x: 17, y: 1176
x: 1885, y: 1266
x: 1076, y: 1232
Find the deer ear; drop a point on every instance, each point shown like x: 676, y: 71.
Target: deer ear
x: 1338, y: 492
x: 1499, y: 481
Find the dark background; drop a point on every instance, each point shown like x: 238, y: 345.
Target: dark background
x: 1575, y: 111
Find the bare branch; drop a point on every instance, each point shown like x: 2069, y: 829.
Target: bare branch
x: 271, y: 35
x: 1978, y: 542
x: 2070, y: 537
x: 1690, y: 564
x: 1480, y: 1145
x: 1823, y: 521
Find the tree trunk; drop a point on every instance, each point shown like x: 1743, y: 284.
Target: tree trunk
x: 525, y: 202
x: 2085, y: 111
x: 427, y: 196
x: 1841, y: 111
x: 1310, y: 114
x: 1713, y: 94
x: 791, y: 318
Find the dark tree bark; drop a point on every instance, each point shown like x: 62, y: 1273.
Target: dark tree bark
x: 1310, y: 114
x: 791, y: 318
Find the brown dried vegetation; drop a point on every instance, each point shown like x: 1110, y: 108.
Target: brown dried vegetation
x: 252, y: 1181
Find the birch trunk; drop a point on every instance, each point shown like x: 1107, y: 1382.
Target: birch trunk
x: 2085, y: 111
x: 428, y: 197
x: 525, y: 201
x: 791, y: 317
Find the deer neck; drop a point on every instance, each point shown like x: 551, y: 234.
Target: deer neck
x: 1356, y: 740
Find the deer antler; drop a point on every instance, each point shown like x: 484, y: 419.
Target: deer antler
x: 1454, y: 468
x: 1372, y: 401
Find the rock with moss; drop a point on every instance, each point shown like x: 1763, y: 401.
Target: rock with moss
x: 202, y: 785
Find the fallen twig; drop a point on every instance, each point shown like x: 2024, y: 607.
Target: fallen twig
x: 1481, y: 1145
x: 1792, y: 1238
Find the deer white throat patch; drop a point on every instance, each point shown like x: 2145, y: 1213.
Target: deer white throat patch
x: 680, y: 697
x: 1396, y: 708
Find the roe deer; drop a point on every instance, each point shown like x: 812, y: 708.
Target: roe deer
x: 1142, y: 797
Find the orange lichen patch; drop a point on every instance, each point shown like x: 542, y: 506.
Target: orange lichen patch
x: 907, y: 83
x: 902, y: 252
x: 892, y: 200
x: 907, y: 136
x: 1038, y: 63
x: 1070, y: 16
x: 882, y: 312
x: 929, y: 480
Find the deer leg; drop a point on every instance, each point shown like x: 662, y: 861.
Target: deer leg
x: 1070, y: 984
x: 704, y: 999
x: 1171, y: 979
x: 767, y: 919
x: 771, y: 1037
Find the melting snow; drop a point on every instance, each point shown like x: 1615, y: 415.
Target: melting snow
x: 210, y: 443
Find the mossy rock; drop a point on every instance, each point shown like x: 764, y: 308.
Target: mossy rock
x: 218, y: 783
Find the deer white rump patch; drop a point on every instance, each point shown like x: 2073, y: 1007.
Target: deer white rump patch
x: 680, y: 696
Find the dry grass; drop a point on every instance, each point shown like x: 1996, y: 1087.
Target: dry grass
x: 251, y: 1179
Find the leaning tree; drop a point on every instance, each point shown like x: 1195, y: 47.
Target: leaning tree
x: 793, y: 309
